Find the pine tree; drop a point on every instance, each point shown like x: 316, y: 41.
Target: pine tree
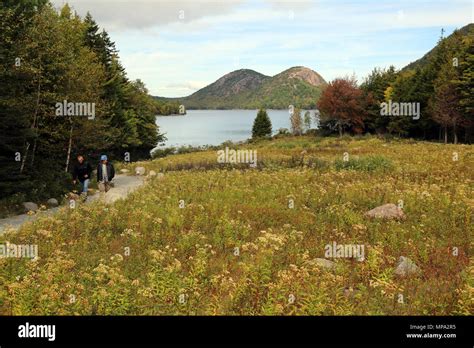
x: 465, y: 84
x: 262, y: 126
x: 377, y: 89
x: 15, y: 128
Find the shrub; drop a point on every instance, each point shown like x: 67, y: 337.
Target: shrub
x: 367, y: 164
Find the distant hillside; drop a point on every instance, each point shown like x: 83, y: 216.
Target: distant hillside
x: 232, y: 84
x: 466, y: 30
x: 248, y: 89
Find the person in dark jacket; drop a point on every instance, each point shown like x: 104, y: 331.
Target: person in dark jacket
x: 82, y: 172
x: 105, y: 174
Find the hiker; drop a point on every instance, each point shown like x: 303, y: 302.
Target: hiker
x: 105, y: 174
x: 82, y: 172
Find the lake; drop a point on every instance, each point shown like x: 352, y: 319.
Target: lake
x: 213, y: 127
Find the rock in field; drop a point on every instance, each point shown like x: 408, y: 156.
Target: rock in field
x: 140, y: 170
x: 152, y: 173
x: 406, y: 267
x: 30, y: 206
x: 350, y: 292
x: 323, y: 263
x: 386, y: 211
x: 73, y: 196
x: 124, y: 171
x: 52, y: 202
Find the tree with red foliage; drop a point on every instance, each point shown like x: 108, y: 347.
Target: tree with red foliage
x: 343, y: 106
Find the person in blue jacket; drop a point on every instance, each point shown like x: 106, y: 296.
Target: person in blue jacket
x: 105, y: 174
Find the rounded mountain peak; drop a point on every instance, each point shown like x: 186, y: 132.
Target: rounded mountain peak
x: 305, y: 74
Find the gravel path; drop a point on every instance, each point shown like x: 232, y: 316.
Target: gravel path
x: 124, y: 184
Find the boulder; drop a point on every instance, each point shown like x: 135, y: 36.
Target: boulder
x: 152, y: 173
x: 30, y: 206
x: 350, y: 292
x: 73, y: 196
x: 406, y: 267
x: 124, y: 171
x: 140, y: 170
x: 52, y: 202
x: 323, y: 263
x: 386, y: 211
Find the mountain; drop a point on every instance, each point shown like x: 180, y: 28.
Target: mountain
x: 464, y: 31
x: 248, y: 89
x: 233, y: 83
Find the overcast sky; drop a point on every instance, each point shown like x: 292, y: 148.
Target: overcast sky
x: 179, y: 46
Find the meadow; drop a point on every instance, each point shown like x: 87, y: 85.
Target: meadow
x: 207, y: 238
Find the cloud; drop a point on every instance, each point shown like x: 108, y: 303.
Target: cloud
x: 120, y: 15
x: 190, y: 85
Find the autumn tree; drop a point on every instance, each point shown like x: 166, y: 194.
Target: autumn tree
x: 296, y: 121
x: 343, y: 106
x: 307, y: 120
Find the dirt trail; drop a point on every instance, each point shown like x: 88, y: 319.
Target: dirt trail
x: 124, y: 184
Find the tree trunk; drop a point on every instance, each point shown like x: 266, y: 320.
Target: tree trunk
x: 22, y: 167
x: 445, y: 134
x: 455, y: 134
x: 33, y: 152
x: 33, y: 124
x: 69, y: 146
x: 340, y: 130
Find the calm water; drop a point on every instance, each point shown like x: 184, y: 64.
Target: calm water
x: 213, y: 127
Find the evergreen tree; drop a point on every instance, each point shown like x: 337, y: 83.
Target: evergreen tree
x: 262, y: 126
x: 377, y: 89
x: 445, y: 106
x: 14, y: 126
x: 465, y: 83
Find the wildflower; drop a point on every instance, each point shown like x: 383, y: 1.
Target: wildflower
x: 44, y: 233
x: 117, y: 258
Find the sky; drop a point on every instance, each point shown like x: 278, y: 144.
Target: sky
x: 179, y: 46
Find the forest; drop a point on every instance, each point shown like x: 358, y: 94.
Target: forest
x: 49, y: 57
x: 441, y: 84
